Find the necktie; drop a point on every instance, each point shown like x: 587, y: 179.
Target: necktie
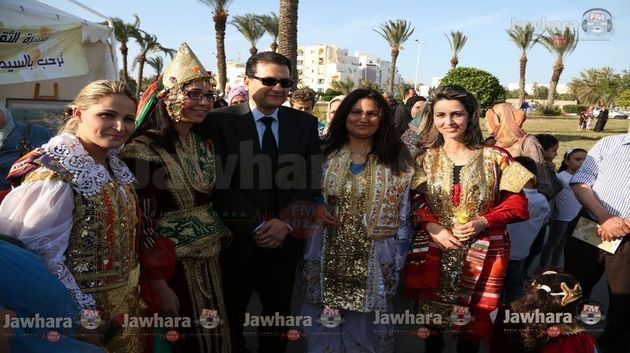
x: 269, y: 145
x: 270, y: 148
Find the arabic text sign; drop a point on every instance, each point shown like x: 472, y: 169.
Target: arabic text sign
x: 33, y: 54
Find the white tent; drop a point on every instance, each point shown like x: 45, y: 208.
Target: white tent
x: 97, y: 42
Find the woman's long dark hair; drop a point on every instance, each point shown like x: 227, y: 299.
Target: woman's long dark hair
x: 431, y: 137
x: 386, y: 143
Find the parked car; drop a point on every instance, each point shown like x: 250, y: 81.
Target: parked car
x: 617, y: 114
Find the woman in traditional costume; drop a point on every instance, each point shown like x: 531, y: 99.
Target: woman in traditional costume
x: 176, y: 172
x: 352, y: 261
x: 466, y: 194
x: 76, y: 208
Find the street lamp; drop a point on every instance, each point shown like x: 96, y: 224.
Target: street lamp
x: 415, y: 82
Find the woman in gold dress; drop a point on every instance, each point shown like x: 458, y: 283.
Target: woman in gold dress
x: 352, y: 261
x: 465, y: 195
x: 183, y: 235
x: 75, y: 206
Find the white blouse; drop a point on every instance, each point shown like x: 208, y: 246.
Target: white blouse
x: 40, y: 213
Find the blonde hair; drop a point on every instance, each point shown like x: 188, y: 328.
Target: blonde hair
x: 91, y: 94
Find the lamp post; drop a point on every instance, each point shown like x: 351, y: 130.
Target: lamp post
x: 415, y: 82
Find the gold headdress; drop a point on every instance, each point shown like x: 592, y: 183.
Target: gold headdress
x: 185, y: 67
x: 568, y: 294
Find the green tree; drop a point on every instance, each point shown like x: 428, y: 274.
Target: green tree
x: 131, y: 83
x: 523, y: 37
x: 597, y: 86
x: 369, y: 84
x: 157, y: 63
x: 123, y: 32
x: 219, y: 16
x: 148, y: 43
x: 249, y: 26
x: 540, y: 92
x: 287, y: 34
x: 623, y: 99
x: 456, y: 41
x: 344, y: 86
x: 482, y: 84
x: 561, y: 43
x: 270, y: 24
x: 396, y: 33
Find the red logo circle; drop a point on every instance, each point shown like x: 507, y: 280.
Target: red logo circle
x: 172, y: 335
x: 423, y: 332
x: 293, y: 334
x: 53, y: 336
x: 553, y: 331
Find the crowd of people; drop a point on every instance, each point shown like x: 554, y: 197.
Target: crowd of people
x: 181, y: 207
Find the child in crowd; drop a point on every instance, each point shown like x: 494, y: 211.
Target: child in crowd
x: 565, y: 211
x: 522, y: 234
x: 303, y: 99
x: 550, y: 146
x: 554, y: 296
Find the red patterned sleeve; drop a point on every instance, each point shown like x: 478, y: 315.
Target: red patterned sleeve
x: 511, y: 208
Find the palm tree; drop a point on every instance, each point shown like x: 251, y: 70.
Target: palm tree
x: 148, y: 43
x: 250, y: 28
x: 456, y: 41
x: 157, y: 63
x: 395, y: 32
x: 270, y: 24
x: 523, y: 37
x: 287, y: 34
x: 123, y: 32
x: 219, y: 16
x: 345, y: 86
x: 597, y: 86
x: 560, y: 43
x: 370, y: 85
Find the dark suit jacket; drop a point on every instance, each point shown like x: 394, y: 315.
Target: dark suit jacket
x: 243, y: 186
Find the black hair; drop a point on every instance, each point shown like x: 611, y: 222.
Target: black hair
x: 386, y: 144
x: 267, y: 57
x: 568, y: 155
x: 547, y: 141
x: 528, y: 163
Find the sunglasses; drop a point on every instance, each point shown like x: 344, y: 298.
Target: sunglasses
x: 272, y: 82
x: 199, y: 95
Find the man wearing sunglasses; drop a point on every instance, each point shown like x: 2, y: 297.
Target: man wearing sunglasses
x: 265, y: 155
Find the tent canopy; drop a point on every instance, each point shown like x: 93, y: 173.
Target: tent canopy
x: 97, y: 42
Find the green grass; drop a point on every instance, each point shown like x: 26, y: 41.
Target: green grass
x: 565, y: 130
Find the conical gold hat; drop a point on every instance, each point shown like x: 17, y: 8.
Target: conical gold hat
x: 184, y: 68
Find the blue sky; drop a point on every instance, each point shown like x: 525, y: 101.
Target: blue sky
x: 349, y: 23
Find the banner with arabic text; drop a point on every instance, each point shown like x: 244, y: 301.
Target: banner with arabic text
x: 41, y: 53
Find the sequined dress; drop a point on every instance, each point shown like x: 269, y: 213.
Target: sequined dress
x: 82, y: 220
x: 471, y: 277
x: 174, y: 184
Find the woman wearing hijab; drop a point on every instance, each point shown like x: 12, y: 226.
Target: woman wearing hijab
x: 505, y: 123
x: 237, y: 95
x: 16, y: 139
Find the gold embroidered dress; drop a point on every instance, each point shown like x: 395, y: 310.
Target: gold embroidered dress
x: 174, y: 183
x: 82, y: 221
x: 354, y: 266
x: 472, y: 276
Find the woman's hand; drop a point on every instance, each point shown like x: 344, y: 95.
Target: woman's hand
x: 169, y: 303
x: 322, y: 216
x: 470, y: 229
x: 443, y: 237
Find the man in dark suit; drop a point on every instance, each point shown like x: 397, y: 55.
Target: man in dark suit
x: 268, y: 161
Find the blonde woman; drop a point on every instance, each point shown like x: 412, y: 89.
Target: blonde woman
x: 75, y: 206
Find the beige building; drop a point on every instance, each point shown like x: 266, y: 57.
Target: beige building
x: 319, y: 65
